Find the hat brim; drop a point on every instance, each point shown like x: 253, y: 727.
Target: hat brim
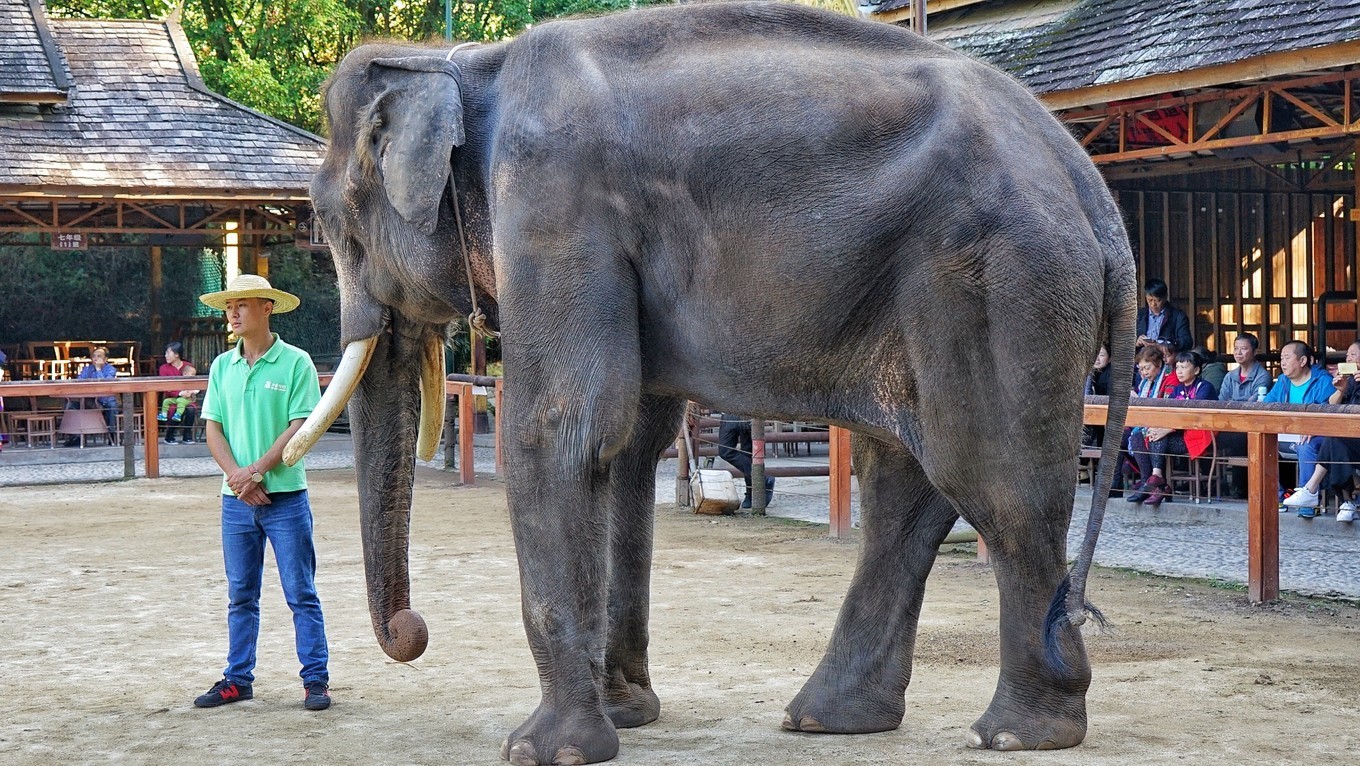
x: 283, y: 302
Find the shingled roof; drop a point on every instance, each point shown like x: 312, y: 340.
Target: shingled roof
x: 139, y: 122
x: 1060, y: 45
x: 31, y: 68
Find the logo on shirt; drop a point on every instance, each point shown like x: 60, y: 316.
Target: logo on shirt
x: 270, y: 385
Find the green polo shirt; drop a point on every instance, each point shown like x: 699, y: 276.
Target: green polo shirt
x: 255, y: 403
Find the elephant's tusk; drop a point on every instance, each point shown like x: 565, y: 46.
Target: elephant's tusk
x: 347, y: 376
x: 431, y: 398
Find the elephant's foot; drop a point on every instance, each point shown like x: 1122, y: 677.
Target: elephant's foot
x: 1004, y: 727
x: 568, y: 739
x: 845, y: 706
x: 628, y: 704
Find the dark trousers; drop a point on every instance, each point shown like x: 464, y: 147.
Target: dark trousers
x: 185, y: 426
x: 734, y: 445
x: 1339, y: 455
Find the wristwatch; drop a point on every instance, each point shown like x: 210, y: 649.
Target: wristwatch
x: 255, y: 475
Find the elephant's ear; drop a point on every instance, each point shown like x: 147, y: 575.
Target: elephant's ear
x: 418, y: 121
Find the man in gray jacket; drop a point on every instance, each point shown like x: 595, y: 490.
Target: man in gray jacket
x: 1244, y: 384
x: 1250, y: 379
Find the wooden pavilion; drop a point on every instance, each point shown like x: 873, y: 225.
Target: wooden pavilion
x: 1228, y: 130
x: 106, y: 128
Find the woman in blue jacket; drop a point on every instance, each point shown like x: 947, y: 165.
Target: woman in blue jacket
x: 1301, y: 382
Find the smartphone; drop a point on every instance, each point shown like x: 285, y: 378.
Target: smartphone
x: 1347, y: 368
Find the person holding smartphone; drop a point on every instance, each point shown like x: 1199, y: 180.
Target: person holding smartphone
x: 1337, y: 456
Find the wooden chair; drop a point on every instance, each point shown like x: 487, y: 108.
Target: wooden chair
x: 1203, y: 475
x: 138, y: 428
x: 38, y: 427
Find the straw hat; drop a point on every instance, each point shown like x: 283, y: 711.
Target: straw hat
x: 251, y: 286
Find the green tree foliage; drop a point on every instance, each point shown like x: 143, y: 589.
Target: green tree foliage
x: 273, y: 55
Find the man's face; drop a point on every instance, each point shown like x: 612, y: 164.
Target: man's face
x: 1291, y: 361
x: 1243, y: 352
x: 1186, y: 372
x: 248, y: 315
x: 1155, y: 304
x: 1353, y: 353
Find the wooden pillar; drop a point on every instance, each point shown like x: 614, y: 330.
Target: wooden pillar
x: 983, y: 557
x: 129, y: 435
x: 757, y: 467
x: 259, y: 260
x: 840, y: 482
x: 466, y: 471
x: 500, y: 416
x: 483, y: 422
x: 1263, y: 517
x: 152, y: 447
x: 154, y: 302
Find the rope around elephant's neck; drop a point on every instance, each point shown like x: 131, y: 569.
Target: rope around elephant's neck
x: 476, y: 320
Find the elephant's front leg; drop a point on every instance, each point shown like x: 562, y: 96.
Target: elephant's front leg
x: 570, y: 410
x: 558, y: 500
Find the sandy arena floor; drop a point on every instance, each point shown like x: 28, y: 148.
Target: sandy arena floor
x: 112, y: 606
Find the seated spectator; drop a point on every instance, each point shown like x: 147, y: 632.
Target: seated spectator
x: 1248, y: 383
x: 1210, y: 370
x: 98, y: 369
x: 185, y: 412
x: 1148, y: 385
x: 1336, y: 456
x: 1097, y: 384
x: 1160, y: 442
x: 1168, y: 380
x: 1301, y: 382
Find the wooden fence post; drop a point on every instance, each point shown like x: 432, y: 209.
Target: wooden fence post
x: 466, y: 426
x: 151, y: 448
x: 840, y: 482
x: 1263, y: 517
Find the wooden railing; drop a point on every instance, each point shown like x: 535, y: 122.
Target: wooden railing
x: 1262, y: 423
x: 150, y: 387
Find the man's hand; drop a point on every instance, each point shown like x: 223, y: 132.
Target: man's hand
x: 240, y: 481
x: 255, y: 496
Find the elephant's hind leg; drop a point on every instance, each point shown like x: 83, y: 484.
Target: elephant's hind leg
x: 1036, y: 705
x: 628, y: 697
x: 860, y: 685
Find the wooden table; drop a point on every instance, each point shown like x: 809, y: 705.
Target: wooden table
x: 84, y: 423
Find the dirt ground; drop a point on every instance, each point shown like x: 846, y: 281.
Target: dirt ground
x: 112, y: 603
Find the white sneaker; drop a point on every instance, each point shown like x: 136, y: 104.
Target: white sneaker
x: 1346, y: 512
x: 1302, y: 498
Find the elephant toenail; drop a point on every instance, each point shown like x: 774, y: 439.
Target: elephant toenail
x: 788, y: 723
x: 1007, y: 741
x: 808, y: 723
x: 569, y: 756
x: 505, y: 749
x: 974, y: 740
x: 523, y: 754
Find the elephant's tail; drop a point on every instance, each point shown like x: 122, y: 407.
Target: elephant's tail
x: 1118, y: 324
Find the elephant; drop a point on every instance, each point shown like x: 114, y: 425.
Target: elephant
x: 768, y: 209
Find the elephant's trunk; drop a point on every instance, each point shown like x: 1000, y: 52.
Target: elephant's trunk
x: 384, y: 414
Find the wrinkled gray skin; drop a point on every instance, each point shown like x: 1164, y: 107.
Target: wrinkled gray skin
x: 769, y: 210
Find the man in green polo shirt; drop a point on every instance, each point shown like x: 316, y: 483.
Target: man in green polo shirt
x: 259, y: 394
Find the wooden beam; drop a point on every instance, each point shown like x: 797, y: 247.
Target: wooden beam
x: 1245, y: 70
x: 932, y: 6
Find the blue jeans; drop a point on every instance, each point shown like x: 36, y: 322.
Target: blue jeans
x: 287, y: 525
x: 1307, y: 454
